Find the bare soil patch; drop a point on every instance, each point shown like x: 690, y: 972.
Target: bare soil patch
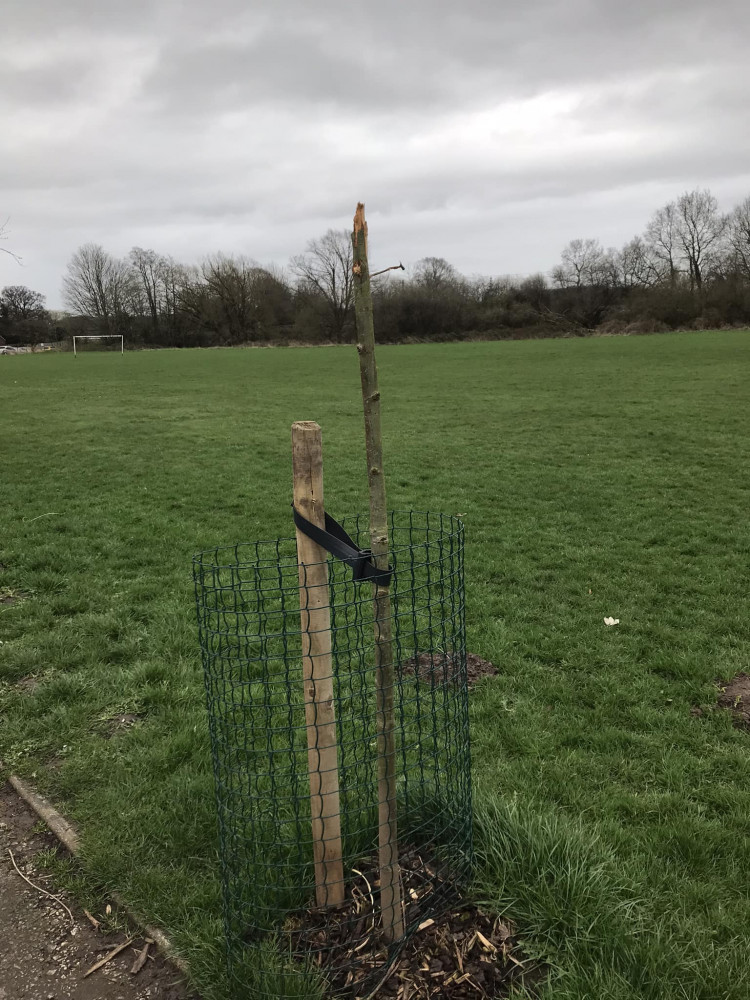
x: 8, y: 597
x: 44, y: 953
x: 28, y: 684
x: 442, y: 668
x: 735, y: 697
x: 124, y: 720
x: 114, y: 725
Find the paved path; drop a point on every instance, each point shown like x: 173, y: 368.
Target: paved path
x: 43, y: 955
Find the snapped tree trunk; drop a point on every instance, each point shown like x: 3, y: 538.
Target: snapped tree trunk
x: 390, y: 875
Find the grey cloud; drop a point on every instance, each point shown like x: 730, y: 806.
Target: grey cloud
x: 64, y: 83
x: 24, y: 19
x: 439, y: 56
x: 281, y: 67
x: 487, y: 133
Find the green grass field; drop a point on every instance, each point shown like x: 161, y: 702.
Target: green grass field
x: 596, y: 477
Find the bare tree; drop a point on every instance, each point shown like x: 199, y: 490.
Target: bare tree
x: 663, y: 242
x: 738, y: 237
x: 325, y: 269
x: 154, y: 289
x: 487, y: 291
x: 701, y: 229
x: 436, y: 273
x: 230, y: 283
x: 686, y: 235
x: 172, y: 279
x: 535, y: 290
x: 97, y: 284
x: 145, y: 266
x: 4, y: 236
x: 233, y: 297
x: 192, y: 295
x: 607, y: 270
x: 637, y: 266
x: 583, y: 262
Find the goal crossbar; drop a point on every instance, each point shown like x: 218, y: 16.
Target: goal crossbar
x: 99, y: 336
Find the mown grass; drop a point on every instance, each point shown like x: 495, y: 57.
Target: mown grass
x: 597, y: 477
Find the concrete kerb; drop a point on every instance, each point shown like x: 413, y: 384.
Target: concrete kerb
x: 68, y: 837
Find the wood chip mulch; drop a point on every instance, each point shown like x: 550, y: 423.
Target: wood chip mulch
x: 462, y: 953
x: 465, y: 953
x: 442, y: 668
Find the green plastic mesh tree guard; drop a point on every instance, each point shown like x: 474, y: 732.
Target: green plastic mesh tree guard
x: 280, y: 943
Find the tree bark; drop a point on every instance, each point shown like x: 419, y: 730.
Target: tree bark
x: 390, y: 875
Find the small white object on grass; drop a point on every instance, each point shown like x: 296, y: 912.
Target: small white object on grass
x: 611, y: 621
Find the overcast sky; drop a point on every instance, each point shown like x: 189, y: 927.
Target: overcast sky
x: 486, y: 132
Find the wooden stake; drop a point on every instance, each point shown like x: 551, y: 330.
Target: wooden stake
x: 317, y: 668
x: 390, y: 875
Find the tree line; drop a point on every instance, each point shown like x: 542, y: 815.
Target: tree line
x: 690, y: 267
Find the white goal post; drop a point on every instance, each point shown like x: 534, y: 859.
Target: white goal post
x: 100, y: 336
